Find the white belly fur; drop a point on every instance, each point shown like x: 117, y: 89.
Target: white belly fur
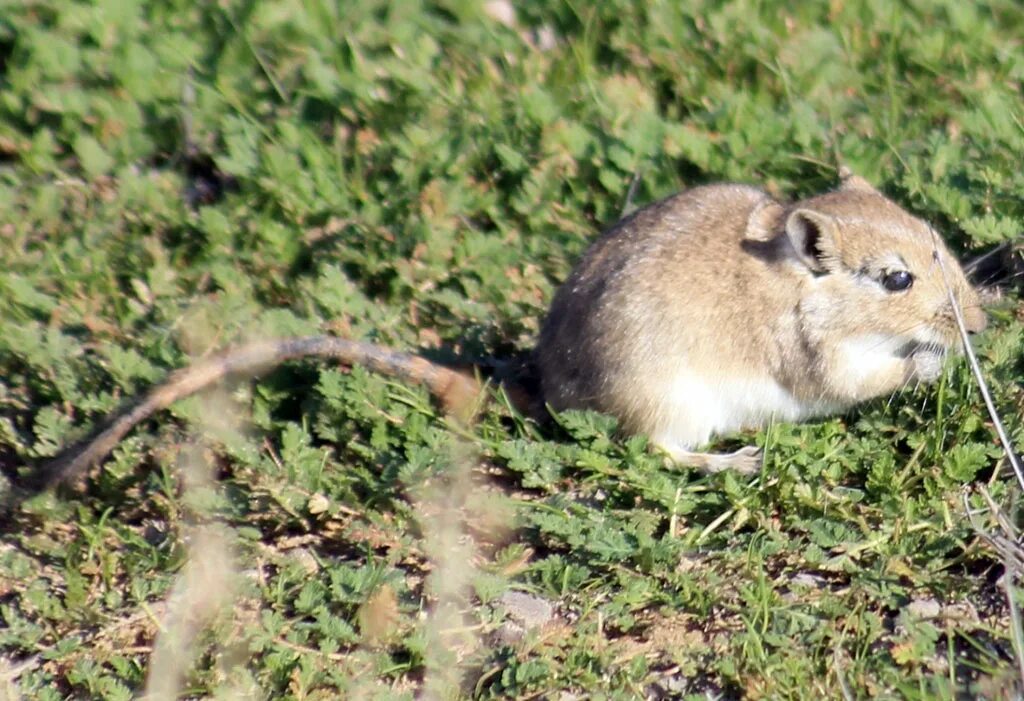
x: 695, y: 408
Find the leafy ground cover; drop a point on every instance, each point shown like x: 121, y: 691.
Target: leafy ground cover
x: 175, y: 176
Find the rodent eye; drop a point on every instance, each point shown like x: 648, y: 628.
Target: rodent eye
x: 897, y: 280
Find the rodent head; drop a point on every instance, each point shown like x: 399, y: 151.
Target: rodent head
x: 875, y: 270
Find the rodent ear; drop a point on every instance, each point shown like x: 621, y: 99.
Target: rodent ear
x: 814, y: 237
x: 848, y: 182
x: 763, y: 222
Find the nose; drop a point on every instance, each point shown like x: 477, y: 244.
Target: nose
x: 975, y: 319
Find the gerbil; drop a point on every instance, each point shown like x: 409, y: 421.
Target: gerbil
x: 720, y: 309
x: 710, y: 311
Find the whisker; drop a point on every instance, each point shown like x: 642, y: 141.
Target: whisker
x: 900, y: 332
x: 1009, y: 276
x: 972, y: 360
x: 903, y: 386
x: 973, y: 263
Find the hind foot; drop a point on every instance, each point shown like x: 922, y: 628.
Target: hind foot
x: 746, y: 460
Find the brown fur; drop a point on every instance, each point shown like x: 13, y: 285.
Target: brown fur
x: 709, y: 285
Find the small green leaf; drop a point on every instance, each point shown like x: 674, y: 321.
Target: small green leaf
x: 94, y: 159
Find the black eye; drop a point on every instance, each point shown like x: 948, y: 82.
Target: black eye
x: 897, y: 280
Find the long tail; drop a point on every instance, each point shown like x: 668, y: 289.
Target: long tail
x: 457, y: 391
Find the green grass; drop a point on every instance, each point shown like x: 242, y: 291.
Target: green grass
x: 421, y: 175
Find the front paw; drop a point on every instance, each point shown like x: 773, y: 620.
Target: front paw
x: 927, y: 365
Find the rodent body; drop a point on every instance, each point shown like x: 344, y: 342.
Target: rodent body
x: 713, y: 310
x: 720, y: 309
